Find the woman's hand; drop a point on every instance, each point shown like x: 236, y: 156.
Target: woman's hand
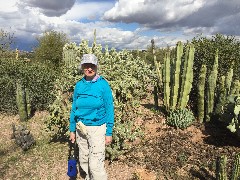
x: 72, y: 137
x: 108, y: 140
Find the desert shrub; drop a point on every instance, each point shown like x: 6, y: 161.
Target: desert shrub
x: 36, y: 77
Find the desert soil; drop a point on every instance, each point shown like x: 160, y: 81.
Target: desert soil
x: 164, y: 153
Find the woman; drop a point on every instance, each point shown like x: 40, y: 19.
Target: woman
x: 92, y: 119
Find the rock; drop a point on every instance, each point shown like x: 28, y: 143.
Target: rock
x: 22, y: 136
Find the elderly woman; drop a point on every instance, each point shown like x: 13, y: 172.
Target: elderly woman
x: 92, y: 119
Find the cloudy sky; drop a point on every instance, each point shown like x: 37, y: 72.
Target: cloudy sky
x: 128, y: 24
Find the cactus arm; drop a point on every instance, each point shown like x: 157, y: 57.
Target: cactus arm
x: 187, y: 78
x: 236, y: 168
x: 201, y: 89
x: 222, y: 92
x: 211, y: 88
x: 176, y: 79
x: 166, y: 79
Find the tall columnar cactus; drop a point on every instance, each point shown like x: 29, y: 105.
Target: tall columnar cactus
x: 166, y: 81
x: 221, y: 173
x: 159, y: 75
x: 212, y: 79
x: 228, y: 81
x: 21, y: 101
x: 236, y: 168
x: 221, y: 168
x: 176, y: 76
x: 187, y: 76
x: 222, y: 92
x: 235, y: 87
x: 201, y: 92
x: 28, y: 101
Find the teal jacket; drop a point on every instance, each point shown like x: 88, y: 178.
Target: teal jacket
x: 92, y: 104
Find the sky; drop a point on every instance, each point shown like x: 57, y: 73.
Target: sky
x: 122, y: 24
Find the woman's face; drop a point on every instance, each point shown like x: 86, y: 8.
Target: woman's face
x: 89, y: 70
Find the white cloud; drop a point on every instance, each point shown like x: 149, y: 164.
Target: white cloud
x: 89, y: 10
x: 155, y: 12
x: 9, y: 6
x: 165, y: 21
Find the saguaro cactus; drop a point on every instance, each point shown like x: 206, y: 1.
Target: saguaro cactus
x: 201, y: 92
x: 187, y: 76
x: 212, y: 79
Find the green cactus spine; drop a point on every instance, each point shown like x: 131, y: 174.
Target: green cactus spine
x: 187, y: 76
x: 21, y: 101
x: 212, y: 79
x: 176, y: 76
x: 167, y: 79
x: 221, y: 173
x: 236, y: 168
x: 201, y: 92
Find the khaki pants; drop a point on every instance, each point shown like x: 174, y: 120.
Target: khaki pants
x: 92, y: 152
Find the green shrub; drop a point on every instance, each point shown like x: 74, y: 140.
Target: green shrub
x: 36, y: 77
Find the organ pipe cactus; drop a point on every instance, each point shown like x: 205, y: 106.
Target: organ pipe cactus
x: 221, y: 165
x: 222, y: 92
x: 212, y: 79
x: 176, y: 74
x: 236, y: 168
x: 221, y: 173
x: 201, y: 90
x: 159, y: 75
x: 166, y: 81
x: 187, y: 76
x: 228, y: 81
x: 21, y: 101
x: 173, y: 75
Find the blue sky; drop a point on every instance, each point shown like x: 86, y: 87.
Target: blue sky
x: 122, y: 24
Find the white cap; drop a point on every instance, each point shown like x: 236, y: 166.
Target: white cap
x: 89, y: 58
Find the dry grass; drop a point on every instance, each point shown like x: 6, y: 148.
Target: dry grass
x: 43, y: 161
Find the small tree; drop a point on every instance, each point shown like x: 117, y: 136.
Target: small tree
x: 50, y: 47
